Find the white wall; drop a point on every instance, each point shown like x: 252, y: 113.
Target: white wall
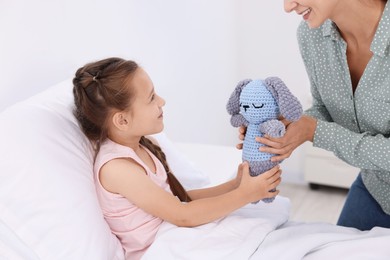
x: 194, y: 50
x: 188, y: 48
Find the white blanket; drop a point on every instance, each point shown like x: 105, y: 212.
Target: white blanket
x: 236, y: 236
x: 324, y: 241
x: 261, y: 231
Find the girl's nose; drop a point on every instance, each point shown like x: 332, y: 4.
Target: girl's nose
x: 289, y: 5
x: 162, y: 101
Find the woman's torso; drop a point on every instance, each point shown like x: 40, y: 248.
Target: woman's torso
x: 365, y: 111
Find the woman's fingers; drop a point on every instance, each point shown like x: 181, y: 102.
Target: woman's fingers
x: 277, y: 147
x: 241, y: 136
x: 281, y: 157
x: 242, y: 132
x: 275, y: 143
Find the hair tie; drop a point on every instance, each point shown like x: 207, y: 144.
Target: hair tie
x: 95, y: 78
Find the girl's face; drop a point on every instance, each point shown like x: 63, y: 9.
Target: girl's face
x: 314, y: 12
x: 146, y: 114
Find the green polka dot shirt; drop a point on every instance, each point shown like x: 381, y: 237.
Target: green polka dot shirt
x: 354, y: 126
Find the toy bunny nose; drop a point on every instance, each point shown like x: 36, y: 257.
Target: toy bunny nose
x: 245, y: 107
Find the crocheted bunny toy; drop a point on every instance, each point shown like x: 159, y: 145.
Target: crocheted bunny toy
x: 257, y: 104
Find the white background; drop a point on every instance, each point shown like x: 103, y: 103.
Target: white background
x: 194, y: 50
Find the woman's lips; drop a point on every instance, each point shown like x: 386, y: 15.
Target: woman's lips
x: 305, y: 14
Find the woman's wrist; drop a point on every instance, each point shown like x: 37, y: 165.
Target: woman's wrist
x: 311, y: 125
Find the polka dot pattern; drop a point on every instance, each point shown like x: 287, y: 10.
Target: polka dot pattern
x: 355, y: 126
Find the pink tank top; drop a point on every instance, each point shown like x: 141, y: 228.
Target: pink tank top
x: 135, y: 228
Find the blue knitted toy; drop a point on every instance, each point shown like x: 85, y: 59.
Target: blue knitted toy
x: 257, y: 104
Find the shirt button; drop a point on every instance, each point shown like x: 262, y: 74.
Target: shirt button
x: 353, y: 121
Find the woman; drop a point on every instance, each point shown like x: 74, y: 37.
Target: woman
x: 345, y: 48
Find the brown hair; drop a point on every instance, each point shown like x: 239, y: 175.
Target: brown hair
x: 98, y: 88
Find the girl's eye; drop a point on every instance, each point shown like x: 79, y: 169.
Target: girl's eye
x: 153, y: 97
x: 259, y: 106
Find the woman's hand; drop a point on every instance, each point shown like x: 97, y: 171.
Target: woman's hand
x: 259, y: 187
x: 241, y: 136
x: 296, y: 134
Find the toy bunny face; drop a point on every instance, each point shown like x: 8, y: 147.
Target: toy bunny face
x: 257, y: 103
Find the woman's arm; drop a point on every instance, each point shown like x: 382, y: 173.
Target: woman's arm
x: 127, y: 178
x: 362, y: 150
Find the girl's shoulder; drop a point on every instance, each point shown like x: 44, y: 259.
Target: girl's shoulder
x: 121, y: 165
x: 115, y: 173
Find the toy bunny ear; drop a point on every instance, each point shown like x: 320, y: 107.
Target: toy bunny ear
x: 233, y: 105
x: 289, y: 106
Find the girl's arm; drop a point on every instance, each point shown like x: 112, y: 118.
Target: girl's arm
x: 129, y: 179
x: 216, y: 190
x: 210, y: 191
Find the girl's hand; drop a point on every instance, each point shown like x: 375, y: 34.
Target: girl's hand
x: 296, y: 134
x: 237, y: 180
x: 258, y: 187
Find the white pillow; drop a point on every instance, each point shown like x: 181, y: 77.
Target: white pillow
x: 48, y: 204
x: 189, y: 174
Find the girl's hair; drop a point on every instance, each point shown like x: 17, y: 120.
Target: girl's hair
x: 98, y: 89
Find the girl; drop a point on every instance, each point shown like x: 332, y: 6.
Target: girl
x: 117, y: 107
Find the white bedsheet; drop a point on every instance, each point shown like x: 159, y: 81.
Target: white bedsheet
x: 262, y: 231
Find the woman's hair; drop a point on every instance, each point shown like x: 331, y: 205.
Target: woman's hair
x: 100, y: 88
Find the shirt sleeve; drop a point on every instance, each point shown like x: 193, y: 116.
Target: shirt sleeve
x: 361, y: 150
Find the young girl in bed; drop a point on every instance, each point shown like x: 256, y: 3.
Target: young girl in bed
x: 117, y: 107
